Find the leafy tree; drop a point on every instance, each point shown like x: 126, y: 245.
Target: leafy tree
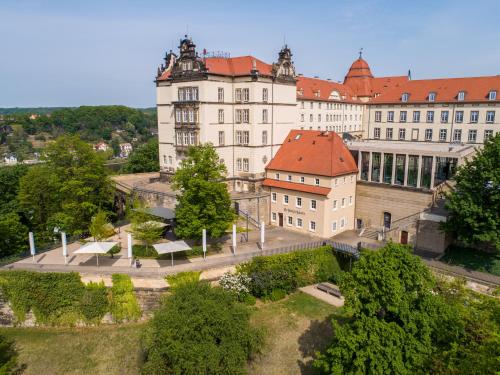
x: 144, y: 226
x: 204, y: 201
x: 200, y: 330
x: 100, y: 227
x: 13, y: 235
x: 68, y: 189
x: 115, y: 146
x: 474, y: 205
x: 8, y: 357
x: 144, y: 158
x: 9, y: 187
x: 394, y: 316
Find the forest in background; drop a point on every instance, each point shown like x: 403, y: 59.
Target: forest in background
x: 25, y: 132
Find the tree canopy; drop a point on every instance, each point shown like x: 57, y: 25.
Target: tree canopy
x: 68, y: 189
x: 204, y: 201
x: 474, y: 205
x: 401, y: 321
x: 144, y: 158
x: 200, y: 330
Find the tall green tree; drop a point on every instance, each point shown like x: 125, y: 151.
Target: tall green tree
x: 144, y: 158
x: 474, y: 205
x: 68, y: 189
x: 394, y: 316
x: 204, y: 201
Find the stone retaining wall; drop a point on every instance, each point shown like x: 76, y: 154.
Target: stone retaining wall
x: 148, y: 299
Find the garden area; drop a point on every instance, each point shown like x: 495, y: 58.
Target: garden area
x: 254, y: 321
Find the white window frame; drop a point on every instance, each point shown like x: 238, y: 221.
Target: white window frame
x: 221, y: 116
x: 490, y: 117
x: 492, y: 95
x: 312, y: 226
x: 416, y: 116
x: 334, y: 226
x: 276, y: 176
x: 298, y: 202
x: 302, y: 179
x: 430, y: 117
x: 289, y: 221
x: 246, y: 164
x: 474, y: 117
x: 286, y: 199
x: 455, y: 133
x: 403, y: 116
x: 388, y: 133
x: 405, y: 97
x: 273, y: 216
x: 274, y: 197
x: 402, y: 134
x: 432, y: 96
x: 459, y: 117
x: 220, y: 94
x: 312, y: 203
x: 378, y: 116
x: 264, y: 116
x: 264, y: 95
x: 461, y: 96
x: 428, y: 135
x: 289, y: 178
x: 264, y: 137
x: 376, y: 133
x: 445, y: 115
x: 316, y: 181
x: 488, y: 133
x: 443, y: 134
x: 299, y: 222
x: 472, y: 136
x: 350, y: 200
x: 246, y: 95
x: 222, y: 138
x: 390, y: 116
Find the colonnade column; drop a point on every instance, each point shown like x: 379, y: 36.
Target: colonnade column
x: 370, y: 167
x: 405, y: 179
x: 433, y: 170
x: 419, y: 169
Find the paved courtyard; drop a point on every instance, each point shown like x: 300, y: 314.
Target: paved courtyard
x: 53, y: 260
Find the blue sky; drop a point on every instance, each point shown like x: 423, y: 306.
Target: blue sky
x: 70, y: 53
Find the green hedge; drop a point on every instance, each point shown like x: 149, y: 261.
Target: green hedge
x: 275, y: 274
x: 63, y: 299
x: 181, y: 278
x: 124, y: 306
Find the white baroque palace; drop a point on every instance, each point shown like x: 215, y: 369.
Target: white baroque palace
x: 246, y: 108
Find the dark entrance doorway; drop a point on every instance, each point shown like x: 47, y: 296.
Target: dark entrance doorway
x: 404, y: 237
x: 359, y: 224
x: 387, y: 220
x: 280, y: 219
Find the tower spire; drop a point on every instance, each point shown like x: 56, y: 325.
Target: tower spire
x: 360, y: 53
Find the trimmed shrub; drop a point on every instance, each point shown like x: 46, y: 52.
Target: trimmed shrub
x: 290, y: 271
x: 95, y: 303
x: 200, y: 330
x: 182, y: 278
x: 124, y: 306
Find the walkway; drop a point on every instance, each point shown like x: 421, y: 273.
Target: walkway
x: 86, y: 264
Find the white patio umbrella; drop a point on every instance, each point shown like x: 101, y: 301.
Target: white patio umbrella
x: 96, y: 248
x: 171, y: 247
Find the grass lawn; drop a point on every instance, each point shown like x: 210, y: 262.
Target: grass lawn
x: 473, y: 259
x: 295, y: 328
x: 96, y: 350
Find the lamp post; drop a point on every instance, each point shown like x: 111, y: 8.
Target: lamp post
x: 64, y: 247
x: 32, y: 245
x: 129, y: 247
x: 262, y: 235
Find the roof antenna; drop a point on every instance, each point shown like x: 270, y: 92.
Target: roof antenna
x: 360, y: 52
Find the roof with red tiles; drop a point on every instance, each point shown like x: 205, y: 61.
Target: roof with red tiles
x: 446, y: 90
x: 236, y: 66
x: 319, y: 89
x: 313, y: 152
x: 296, y: 186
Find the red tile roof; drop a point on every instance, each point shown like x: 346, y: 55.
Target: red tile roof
x: 236, y: 66
x: 446, y: 89
x: 313, y: 152
x: 296, y: 186
x: 319, y: 89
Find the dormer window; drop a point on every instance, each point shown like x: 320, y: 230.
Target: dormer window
x: 432, y: 96
x: 317, y: 94
x: 461, y: 95
x: 404, y: 97
x: 301, y: 92
x: 492, y: 95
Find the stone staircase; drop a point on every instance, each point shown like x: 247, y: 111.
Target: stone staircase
x: 370, y: 233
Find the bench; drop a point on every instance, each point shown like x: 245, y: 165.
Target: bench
x: 329, y: 289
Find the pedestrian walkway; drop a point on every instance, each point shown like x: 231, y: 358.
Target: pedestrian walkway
x: 53, y: 260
